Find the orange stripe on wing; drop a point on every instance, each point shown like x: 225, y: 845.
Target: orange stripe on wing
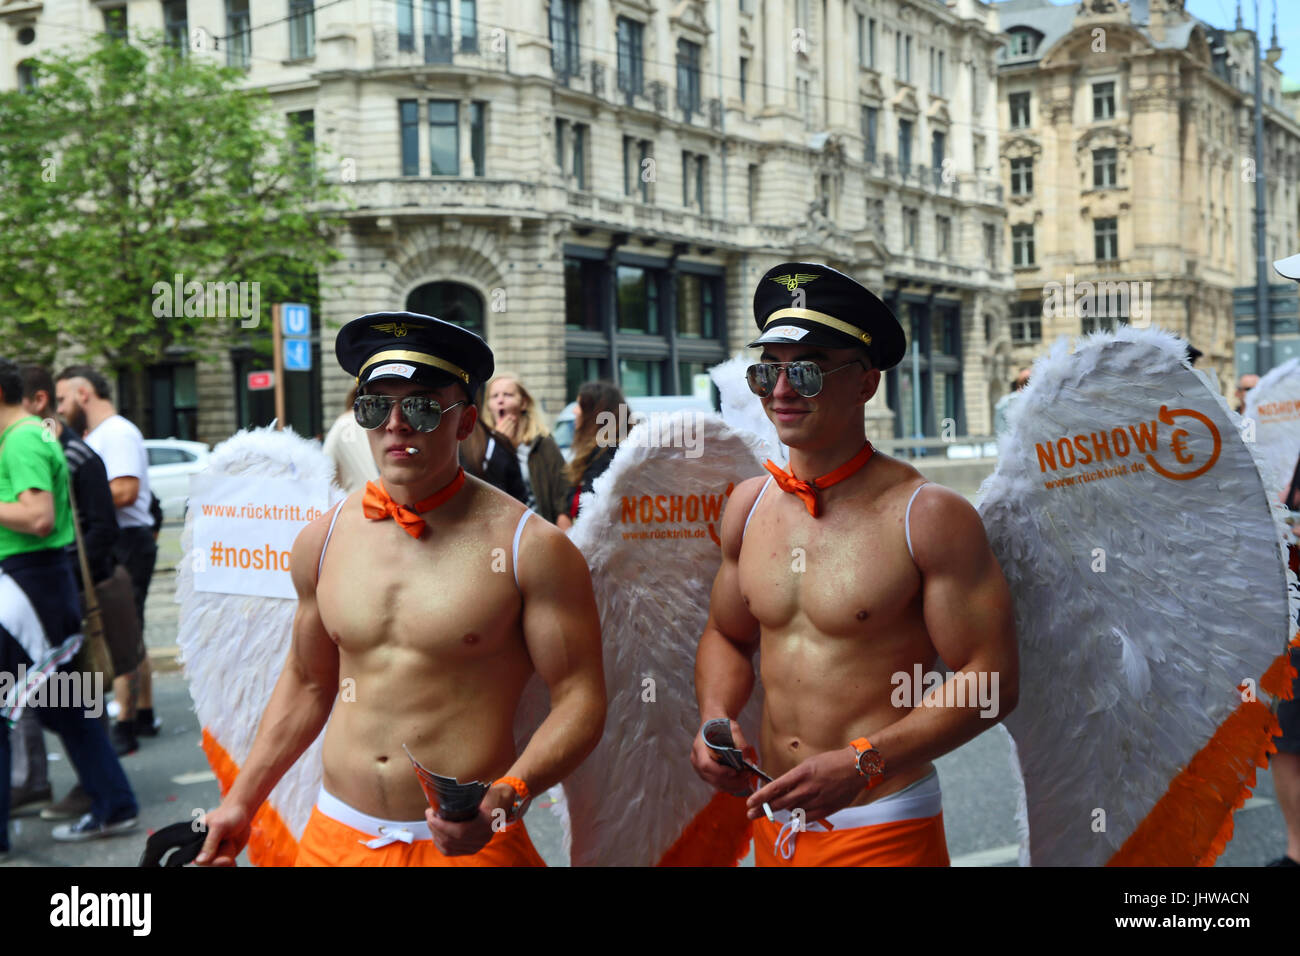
x: 270, y: 842
x: 1192, y: 823
x: 717, y: 836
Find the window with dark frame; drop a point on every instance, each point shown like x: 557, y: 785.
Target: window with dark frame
x: 478, y: 136
x: 1026, y: 323
x: 688, y: 77
x: 1022, y: 176
x: 631, y: 63
x: 444, y: 137
x: 563, y: 23
x: 905, y: 147
x: 468, y: 26
x: 1105, y: 234
x: 1022, y: 245
x: 579, y: 168
x: 239, y: 39
x: 302, y: 29
x: 115, y: 22
x: 870, y: 117
x: 27, y: 78
x: 1019, y: 103
x: 408, y: 112
x: 1105, y: 167
x: 943, y: 234
x: 1103, y: 101
x: 176, y: 26
x: 436, y: 15
x: 405, y: 26
x: 304, y: 125
x: 744, y: 77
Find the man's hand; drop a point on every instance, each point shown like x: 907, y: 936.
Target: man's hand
x: 717, y: 774
x: 819, y: 786
x: 228, y: 830
x: 467, y: 838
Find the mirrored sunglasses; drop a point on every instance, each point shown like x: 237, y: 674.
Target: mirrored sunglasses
x: 806, y: 378
x: 421, y: 412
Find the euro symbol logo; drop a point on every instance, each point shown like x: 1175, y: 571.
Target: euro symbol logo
x: 1178, y: 444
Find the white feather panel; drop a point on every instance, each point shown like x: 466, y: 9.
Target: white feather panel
x: 631, y: 799
x: 234, y: 647
x: 742, y: 410
x: 1277, y: 424
x: 1126, y: 672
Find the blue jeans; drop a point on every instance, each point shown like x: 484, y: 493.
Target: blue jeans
x: 92, y: 755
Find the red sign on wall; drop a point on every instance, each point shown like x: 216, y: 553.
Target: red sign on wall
x: 260, y: 381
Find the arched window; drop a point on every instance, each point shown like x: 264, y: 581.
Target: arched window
x: 449, y: 301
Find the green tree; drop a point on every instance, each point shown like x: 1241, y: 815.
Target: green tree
x: 127, y: 165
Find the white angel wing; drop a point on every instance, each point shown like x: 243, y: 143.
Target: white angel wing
x: 649, y: 533
x: 1150, y: 580
x: 233, y: 648
x: 1273, y: 406
x: 742, y: 411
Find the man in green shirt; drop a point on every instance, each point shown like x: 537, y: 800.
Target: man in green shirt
x: 40, y: 620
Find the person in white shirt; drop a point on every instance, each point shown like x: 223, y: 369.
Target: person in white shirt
x: 349, y: 449
x: 83, y: 401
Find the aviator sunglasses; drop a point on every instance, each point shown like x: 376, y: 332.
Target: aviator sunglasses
x: 421, y: 412
x: 804, y: 377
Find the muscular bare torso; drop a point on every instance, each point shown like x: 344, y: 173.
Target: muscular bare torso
x: 838, y: 601
x: 431, y: 649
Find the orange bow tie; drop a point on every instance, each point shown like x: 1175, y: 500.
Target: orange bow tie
x: 807, y: 490
x: 377, y: 505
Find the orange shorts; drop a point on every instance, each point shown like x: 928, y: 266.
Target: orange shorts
x: 336, y: 835
x: 903, y: 829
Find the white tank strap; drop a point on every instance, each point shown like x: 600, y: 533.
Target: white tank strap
x: 519, y: 533
x: 750, y: 517
x: 491, y: 447
x: 321, y: 563
x: 907, y: 519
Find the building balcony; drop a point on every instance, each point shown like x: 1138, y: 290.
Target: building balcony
x: 427, y: 194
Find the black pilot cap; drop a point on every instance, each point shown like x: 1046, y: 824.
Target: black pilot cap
x: 413, y: 348
x: 807, y: 303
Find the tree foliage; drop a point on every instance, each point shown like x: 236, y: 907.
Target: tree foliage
x: 128, y: 165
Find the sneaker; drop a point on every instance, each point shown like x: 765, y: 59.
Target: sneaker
x: 89, y: 827
x: 72, y: 807
x: 1283, y: 861
x: 25, y: 803
x: 124, y: 740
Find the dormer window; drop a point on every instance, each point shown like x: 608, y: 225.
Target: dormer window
x: 1023, y: 42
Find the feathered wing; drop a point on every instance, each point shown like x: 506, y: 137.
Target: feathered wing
x: 1143, y: 599
x: 233, y: 648
x: 1273, y: 406
x: 649, y: 533
x: 743, y: 411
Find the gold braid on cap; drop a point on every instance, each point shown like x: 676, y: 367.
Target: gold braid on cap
x: 404, y: 355
x: 821, y: 318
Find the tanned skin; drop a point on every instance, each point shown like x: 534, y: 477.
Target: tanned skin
x: 834, y: 626
x: 438, y: 641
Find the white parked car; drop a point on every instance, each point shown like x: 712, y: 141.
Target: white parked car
x: 171, y: 462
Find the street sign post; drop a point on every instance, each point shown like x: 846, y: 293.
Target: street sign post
x: 295, y: 319
x: 297, y: 355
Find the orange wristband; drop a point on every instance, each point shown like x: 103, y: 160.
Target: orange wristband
x: 518, y: 786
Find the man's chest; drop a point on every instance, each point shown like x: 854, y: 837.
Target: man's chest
x: 435, y: 598
x: 843, y: 573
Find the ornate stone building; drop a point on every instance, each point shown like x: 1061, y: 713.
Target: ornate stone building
x: 1127, y: 153
x: 597, y: 185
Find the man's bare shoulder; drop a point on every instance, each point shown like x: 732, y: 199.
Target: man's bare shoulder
x: 737, y: 510
x: 307, y: 547
x: 946, y: 529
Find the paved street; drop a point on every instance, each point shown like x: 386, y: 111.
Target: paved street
x: 172, y: 779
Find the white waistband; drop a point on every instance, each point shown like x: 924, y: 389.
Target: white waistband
x: 336, y: 809
x: 915, y: 801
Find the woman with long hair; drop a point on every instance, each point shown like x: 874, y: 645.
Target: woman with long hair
x: 593, y: 445
x: 510, y: 410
